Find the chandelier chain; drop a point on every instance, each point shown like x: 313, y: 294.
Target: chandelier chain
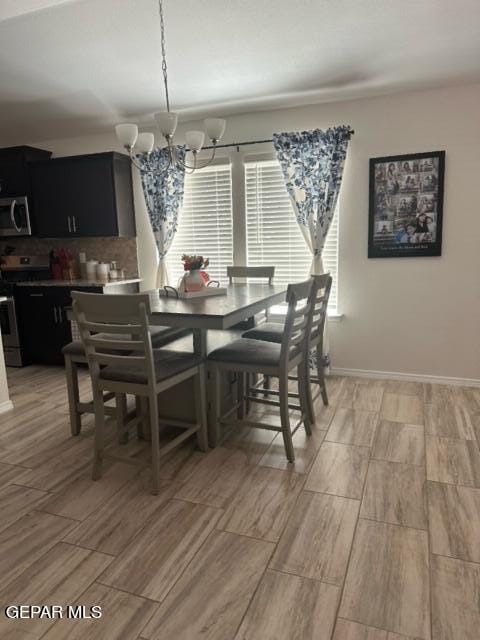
x: 144, y: 164
x: 164, y: 54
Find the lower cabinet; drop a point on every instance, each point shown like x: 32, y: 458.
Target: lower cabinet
x: 44, y: 326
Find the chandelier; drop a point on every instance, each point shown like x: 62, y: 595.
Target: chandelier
x: 143, y: 143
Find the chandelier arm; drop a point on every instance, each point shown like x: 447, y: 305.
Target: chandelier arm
x: 175, y: 160
x: 148, y: 169
x: 136, y: 164
x: 197, y: 166
x: 210, y: 160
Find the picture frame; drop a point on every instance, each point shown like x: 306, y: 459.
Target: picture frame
x: 406, y: 205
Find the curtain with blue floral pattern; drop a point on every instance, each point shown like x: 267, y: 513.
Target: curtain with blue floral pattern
x: 312, y: 163
x: 163, y: 185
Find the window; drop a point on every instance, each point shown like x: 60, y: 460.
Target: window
x: 268, y: 227
x: 205, y: 222
x: 273, y: 235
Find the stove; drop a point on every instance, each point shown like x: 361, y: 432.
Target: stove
x: 25, y: 268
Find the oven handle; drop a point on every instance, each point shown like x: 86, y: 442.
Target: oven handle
x: 12, y: 216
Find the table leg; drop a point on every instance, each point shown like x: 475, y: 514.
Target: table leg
x: 200, y: 348
x: 200, y: 342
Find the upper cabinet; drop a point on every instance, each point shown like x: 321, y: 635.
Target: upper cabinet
x: 15, y: 169
x: 89, y: 195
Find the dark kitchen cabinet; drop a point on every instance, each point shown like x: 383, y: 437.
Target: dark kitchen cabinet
x: 15, y: 169
x: 83, y: 196
x: 44, y: 325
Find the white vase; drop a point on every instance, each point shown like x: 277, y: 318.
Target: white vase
x: 193, y: 281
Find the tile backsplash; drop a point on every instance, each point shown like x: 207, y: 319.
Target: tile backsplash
x: 122, y: 250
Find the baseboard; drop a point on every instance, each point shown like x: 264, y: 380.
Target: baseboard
x: 6, y: 406
x: 410, y: 377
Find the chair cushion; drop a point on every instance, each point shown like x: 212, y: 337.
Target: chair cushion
x: 273, y: 332
x: 160, y: 337
x: 249, y: 352
x: 269, y: 331
x: 167, y: 364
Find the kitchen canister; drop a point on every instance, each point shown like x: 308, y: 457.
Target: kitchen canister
x: 103, y: 269
x: 92, y: 270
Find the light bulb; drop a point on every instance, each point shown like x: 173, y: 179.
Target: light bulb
x: 215, y: 128
x: 195, y: 140
x: 167, y: 122
x: 127, y: 134
x: 145, y: 142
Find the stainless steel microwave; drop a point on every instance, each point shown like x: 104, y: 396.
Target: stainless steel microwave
x: 14, y: 217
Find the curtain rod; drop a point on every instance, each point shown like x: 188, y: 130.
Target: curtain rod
x: 243, y: 144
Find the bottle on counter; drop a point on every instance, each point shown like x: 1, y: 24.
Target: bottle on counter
x: 82, y: 261
x: 55, y: 266
x: 113, y: 270
x: 69, y: 267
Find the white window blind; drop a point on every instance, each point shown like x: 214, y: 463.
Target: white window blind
x: 273, y: 235
x: 205, y: 223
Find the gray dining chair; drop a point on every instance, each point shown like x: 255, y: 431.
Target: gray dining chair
x: 265, y: 273
x: 74, y: 356
x: 273, y: 332
x: 247, y: 356
x: 245, y: 273
x: 131, y: 366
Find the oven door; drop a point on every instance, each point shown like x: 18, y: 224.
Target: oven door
x: 14, y: 217
x: 8, y: 323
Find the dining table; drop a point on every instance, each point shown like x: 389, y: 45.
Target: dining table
x: 213, y: 313
x: 221, y: 312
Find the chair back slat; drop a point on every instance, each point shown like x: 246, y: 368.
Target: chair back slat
x: 116, y: 345
x: 295, y: 340
x: 112, y: 309
x: 250, y: 272
x: 125, y: 316
x: 320, y: 295
x: 99, y: 327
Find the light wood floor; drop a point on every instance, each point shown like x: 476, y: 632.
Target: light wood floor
x: 374, y: 534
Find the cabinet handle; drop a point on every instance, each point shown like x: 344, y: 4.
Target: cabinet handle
x: 36, y: 295
x: 74, y: 224
x: 60, y: 318
x: 55, y: 314
x: 69, y: 225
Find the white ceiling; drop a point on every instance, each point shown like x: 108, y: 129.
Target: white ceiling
x: 70, y: 67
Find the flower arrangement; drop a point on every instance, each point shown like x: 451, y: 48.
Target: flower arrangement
x: 192, y: 263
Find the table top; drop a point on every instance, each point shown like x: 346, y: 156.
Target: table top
x: 216, y: 312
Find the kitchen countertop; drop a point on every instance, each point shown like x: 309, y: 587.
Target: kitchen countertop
x: 76, y: 283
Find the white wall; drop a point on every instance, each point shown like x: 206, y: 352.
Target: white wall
x: 410, y: 315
